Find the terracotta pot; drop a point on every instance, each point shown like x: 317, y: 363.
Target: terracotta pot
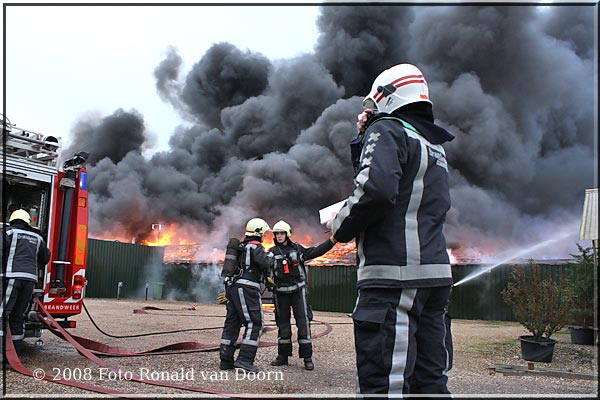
x: 537, y: 351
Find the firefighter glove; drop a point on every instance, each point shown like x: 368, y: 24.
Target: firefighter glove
x: 221, y: 298
x: 269, y: 283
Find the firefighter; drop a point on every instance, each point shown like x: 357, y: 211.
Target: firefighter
x: 396, y: 214
x: 289, y: 274
x: 23, y: 251
x: 244, y: 306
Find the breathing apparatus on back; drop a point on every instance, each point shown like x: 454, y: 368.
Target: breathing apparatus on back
x: 235, y: 262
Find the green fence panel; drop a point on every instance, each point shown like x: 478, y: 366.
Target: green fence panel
x: 481, y: 298
x: 111, y: 262
x: 332, y: 288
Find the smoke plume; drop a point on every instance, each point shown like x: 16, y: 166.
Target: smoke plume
x: 515, y: 84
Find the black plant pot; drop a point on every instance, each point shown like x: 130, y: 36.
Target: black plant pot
x: 581, y: 335
x: 537, y: 351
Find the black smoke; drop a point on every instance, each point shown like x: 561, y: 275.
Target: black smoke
x: 224, y: 77
x: 111, y: 137
x: 515, y: 84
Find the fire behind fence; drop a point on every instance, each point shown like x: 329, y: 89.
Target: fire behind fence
x: 143, y: 274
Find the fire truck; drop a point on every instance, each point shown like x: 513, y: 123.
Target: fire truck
x: 57, y: 201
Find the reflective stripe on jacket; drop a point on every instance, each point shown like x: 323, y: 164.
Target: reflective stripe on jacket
x: 397, y: 209
x: 25, y: 251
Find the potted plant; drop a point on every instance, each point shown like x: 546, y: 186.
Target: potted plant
x: 581, y: 281
x: 542, y: 306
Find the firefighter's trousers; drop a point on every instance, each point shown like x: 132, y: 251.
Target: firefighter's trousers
x: 297, y: 302
x: 15, y: 300
x: 403, y: 340
x: 244, y: 307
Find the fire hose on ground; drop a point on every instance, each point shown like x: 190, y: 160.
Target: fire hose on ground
x: 91, y: 349
x: 150, y: 333
x: 13, y: 360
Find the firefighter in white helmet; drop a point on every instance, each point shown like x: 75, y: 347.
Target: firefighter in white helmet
x: 23, y: 252
x: 244, y: 306
x: 289, y: 273
x: 396, y: 214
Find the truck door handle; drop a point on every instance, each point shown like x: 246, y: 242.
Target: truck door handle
x: 16, y: 173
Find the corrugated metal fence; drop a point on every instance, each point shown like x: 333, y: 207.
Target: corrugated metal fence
x: 112, y: 262
x: 480, y: 298
x: 332, y: 288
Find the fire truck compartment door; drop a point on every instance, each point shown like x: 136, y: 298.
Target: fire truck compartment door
x: 29, y: 171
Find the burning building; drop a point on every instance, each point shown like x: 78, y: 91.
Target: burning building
x: 270, y: 138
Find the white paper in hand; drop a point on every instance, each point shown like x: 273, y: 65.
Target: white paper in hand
x: 325, y: 214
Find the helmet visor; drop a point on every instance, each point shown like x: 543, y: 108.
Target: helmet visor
x: 369, y: 104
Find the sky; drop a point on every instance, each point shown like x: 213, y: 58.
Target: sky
x: 204, y: 116
x: 63, y: 62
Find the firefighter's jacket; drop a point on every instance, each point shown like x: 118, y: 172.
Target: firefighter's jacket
x: 23, y: 251
x: 289, y: 271
x: 255, y: 263
x: 398, y: 207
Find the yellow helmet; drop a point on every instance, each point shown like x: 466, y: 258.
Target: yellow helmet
x: 20, y: 214
x: 283, y: 226
x: 257, y: 227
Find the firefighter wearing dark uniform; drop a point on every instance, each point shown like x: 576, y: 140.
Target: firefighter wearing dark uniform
x: 23, y: 250
x: 289, y: 274
x: 397, y: 213
x: 244, y: 306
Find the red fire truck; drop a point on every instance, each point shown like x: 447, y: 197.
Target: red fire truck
x: 57, y: 200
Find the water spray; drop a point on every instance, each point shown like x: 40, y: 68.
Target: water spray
x: 516, y: 254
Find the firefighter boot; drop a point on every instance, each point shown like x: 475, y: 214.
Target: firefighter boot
x: 308, y: 364
x: 226, y: 356
x: 19, y: 347
x: 247, y: 365
x: 280, y: 360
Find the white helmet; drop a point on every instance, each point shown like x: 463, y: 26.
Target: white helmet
x: 257, y: 227
x: 283, y: 226
x: 20, y: 214
x: 395, y: 87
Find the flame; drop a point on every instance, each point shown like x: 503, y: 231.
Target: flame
x: 268, y: 241
x: 453, y: 259
x: 184, y: 244
x: 168, y: 235
x: 182, y: 251
x: 460, y: 255
x: 341, y: 254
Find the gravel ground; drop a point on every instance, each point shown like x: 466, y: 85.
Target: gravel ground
x: 478, y: 347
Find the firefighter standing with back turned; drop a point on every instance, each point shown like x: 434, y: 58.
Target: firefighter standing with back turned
x: 23, y: 251
x: 289, y: 273
x: 397, y: 213
x: 244, y: 306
